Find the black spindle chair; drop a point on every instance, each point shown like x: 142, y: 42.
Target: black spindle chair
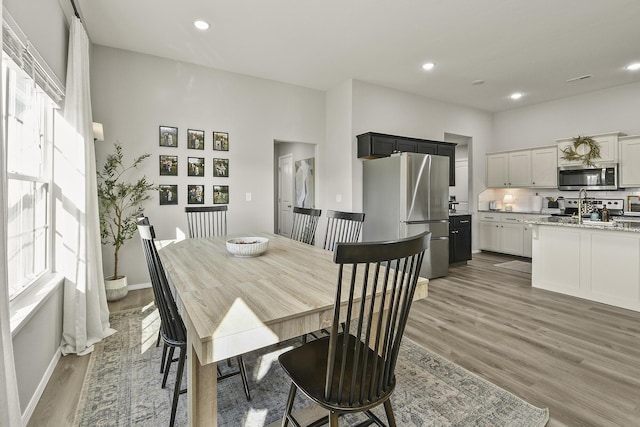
x: 353, y: 371
x: 172, y: 329
x: 205, y: 221
x: 305, y: 222
x: 342, y: 227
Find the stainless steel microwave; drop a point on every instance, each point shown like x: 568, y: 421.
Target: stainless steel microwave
x: 602, y: 177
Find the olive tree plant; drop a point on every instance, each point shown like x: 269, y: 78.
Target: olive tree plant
x: 120, y: 202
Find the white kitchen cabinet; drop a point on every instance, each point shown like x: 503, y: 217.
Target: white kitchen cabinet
x: 519, y: 168
x: 497, y: 170
x: 629, y: 161
x: 544, y: 167
x: 535, y: 168
x: 512, y: 238
x: 598, y: 265
x: 506, y: 232
x: 608, y: 143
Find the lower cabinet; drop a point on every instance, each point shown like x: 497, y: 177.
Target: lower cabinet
x: 459, y: 238
x: 506, y: 233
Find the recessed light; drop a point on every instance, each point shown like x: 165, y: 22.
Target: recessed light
x: 516, y: 96
x: 634, y: 67
x: 200, y: 24
x: 427, y: 66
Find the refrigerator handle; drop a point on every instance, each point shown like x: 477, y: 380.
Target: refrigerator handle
x: 415, y: 190
x: 429, y: 189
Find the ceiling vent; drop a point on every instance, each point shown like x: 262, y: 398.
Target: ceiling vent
x: 575, y: 79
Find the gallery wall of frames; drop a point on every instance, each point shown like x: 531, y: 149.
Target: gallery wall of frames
x: 201, y: 163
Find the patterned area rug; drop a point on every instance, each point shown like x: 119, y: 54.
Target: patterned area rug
x: 522, y: 266
x: 122, y: 387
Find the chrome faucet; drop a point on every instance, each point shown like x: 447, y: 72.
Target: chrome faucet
x: 581, y: 203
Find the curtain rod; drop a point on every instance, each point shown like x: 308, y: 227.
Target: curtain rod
x: 75, y: 9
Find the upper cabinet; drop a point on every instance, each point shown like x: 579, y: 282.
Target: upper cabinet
x: 629, y: 161
x: 535, y: 168
x: 373, y: 145
x: 607, y: 142
x: 544, y: 167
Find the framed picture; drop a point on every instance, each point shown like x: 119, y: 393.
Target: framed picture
x: 168, y: 194
x: 220, y: 194
x: 169, y: 136
x: 195, y: 139
x: 195, y: 194
x: 168, y: 165
x: 195, y: 166
x: 221, y: 141
x: 221, y: 168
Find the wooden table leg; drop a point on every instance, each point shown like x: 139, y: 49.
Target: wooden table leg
x: 202, y: 391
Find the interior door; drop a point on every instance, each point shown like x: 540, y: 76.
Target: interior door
x: 285, y: 194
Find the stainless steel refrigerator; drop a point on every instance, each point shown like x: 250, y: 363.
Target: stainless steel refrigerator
x: 404, y: 195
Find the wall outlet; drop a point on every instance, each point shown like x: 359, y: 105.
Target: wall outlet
x: 247, y: 197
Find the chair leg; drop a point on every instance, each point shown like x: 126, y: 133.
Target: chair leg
x: 178, y: 384
x: 389, y: 411
x: 164, y: 358
x: 243, y: 374
x: 167, y: 368
x: 333, y: 419
x: 290, y: 400
x: 158, y: 340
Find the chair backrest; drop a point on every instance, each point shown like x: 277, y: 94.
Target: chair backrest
x: 373, y: 340
x: 172, y: 326
x: 342, y: 227
x: 305, y: 222
x: 206, y: 221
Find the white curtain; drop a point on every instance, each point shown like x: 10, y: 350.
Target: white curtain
x: 85, y: 313
x: 9, y: 402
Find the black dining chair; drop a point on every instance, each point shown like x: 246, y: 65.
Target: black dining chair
x: 353, y: 370
x: 172, y: 329
x: 206, y: 221
x: 305, y: 222
x: 342, y: 227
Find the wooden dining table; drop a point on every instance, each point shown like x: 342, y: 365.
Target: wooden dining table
x: 232, y: 305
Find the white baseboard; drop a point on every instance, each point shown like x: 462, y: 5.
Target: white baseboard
x: 139, y: 286
x: 28, y: 412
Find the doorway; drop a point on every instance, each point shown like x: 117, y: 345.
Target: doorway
x: 295, y: 165
x: 464, y: 186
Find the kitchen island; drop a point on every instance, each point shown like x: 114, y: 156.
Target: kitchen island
x: 595, y: 261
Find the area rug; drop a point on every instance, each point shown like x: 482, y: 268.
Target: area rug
x: 522, y: 266
x: 122, y: 387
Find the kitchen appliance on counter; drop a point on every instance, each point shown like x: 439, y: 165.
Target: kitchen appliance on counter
x: 604, y: 177
x: 404, y: 195
x: 614, y: 206
x: 493, y: 205
x: 452, y: 204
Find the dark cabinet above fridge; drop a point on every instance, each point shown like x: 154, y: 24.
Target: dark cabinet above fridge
x: 372, y: 145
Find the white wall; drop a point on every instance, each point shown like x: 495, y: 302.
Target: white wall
x: 615, y: 109
x: 133, y: 94
x: 380, y: 109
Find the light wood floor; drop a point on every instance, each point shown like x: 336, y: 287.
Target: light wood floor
x: 580, y: 359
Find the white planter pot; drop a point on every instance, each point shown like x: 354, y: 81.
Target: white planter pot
x: 116, y: 288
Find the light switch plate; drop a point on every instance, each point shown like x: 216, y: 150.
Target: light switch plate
x: 247, y: 197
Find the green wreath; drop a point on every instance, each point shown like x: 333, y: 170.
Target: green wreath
x: 592, y: 153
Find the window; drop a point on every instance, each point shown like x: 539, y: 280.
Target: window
x: 28, y: 125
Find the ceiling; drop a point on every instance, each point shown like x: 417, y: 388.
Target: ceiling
x: 528, y: 46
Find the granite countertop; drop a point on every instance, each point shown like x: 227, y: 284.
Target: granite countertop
x: 514, y: 212
x: 624, y: 226
x: 459, y: 213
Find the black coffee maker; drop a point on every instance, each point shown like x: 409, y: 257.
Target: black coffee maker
x: 452, y: 204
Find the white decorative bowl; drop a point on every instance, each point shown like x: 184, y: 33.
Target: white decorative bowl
x: 247, y: 246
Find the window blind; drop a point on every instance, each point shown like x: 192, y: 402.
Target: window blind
x: 26, y: 57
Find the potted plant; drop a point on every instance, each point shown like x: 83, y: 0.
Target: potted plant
x: 120, y: 204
